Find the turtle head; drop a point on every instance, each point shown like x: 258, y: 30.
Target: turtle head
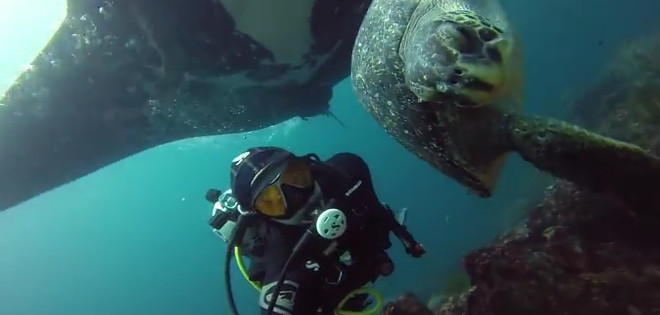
x: 456, y: 57
x: 455, y: 61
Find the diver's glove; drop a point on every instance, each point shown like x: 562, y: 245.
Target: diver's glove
x: 399, y: 229
x: 416, y: 250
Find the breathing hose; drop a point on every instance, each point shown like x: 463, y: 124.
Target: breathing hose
x: 230, y: 294
x: 241, y: 267
x: 308, y: 234
x: 237, y: 236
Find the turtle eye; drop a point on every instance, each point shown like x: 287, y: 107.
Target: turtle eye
x: 458, y: 37
x: 468, y: 41
x: 486, y: 34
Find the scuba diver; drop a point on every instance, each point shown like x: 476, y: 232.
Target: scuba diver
x: 314, y: 231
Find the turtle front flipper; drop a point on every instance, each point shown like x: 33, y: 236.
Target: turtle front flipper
x: 593, y: 161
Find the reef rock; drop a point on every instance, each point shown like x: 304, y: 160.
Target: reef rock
x: 407, y: 304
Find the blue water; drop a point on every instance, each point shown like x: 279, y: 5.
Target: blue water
x: 133, y: 237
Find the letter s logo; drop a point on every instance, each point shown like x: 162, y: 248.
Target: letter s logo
x: 312, y: 265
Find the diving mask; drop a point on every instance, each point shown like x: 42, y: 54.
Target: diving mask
x: 284, y: 193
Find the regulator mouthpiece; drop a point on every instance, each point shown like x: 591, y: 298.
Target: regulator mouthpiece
x: 331, y: 224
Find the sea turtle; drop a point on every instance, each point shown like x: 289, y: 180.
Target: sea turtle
x: 444, y: 78
x: 119, y: 77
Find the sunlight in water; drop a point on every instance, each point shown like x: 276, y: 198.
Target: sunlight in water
x: 26, y: 26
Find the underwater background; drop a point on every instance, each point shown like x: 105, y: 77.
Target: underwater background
x: 133, y: 238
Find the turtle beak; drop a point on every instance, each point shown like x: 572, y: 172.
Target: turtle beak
x: 457, y: 62
x: 477, y: 72
x: 481, y: 77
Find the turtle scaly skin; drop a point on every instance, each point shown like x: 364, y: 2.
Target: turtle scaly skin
x: 588, y: 159
x: 404, y: 72
x: 444, y: 78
